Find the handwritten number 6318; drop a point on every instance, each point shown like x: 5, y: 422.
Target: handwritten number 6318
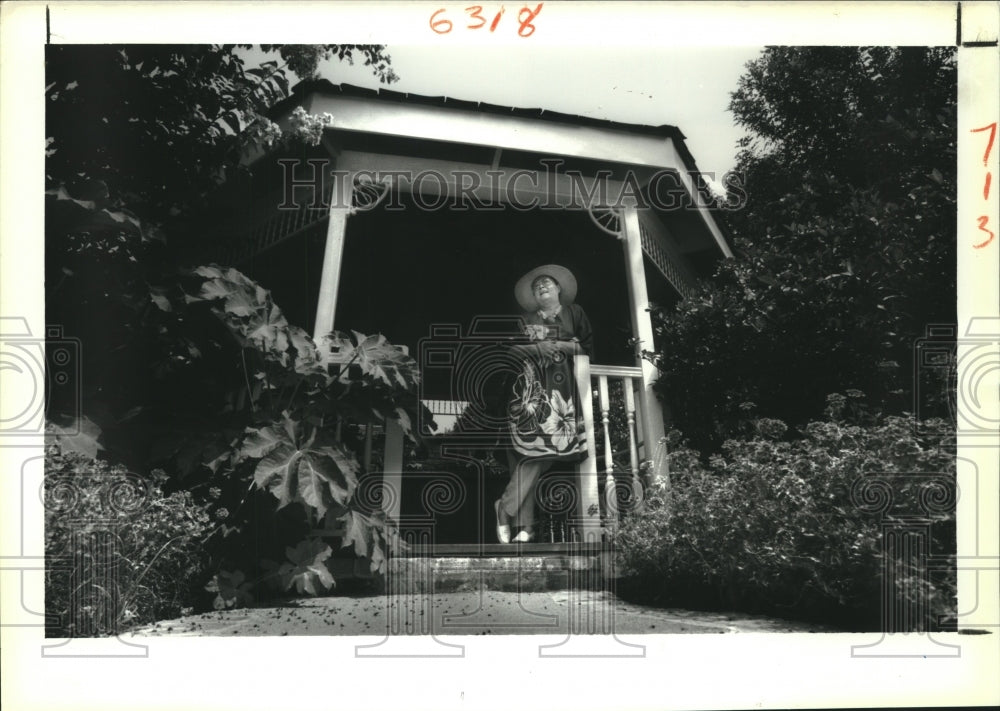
x: 525, y: 16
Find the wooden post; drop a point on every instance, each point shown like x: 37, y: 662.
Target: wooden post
x: 642, y: 327
x: 392, y: 477
x: 336, y: 230
x: 590, y: 508
x: 366, y: 460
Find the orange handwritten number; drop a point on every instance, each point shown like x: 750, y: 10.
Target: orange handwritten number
x: 475, y: 12
x: 983, y: 220
x: 496, y: 20
x: 992, y: 128
x: 525, y: 16
x: 986, y: 186
x: 436, y: 25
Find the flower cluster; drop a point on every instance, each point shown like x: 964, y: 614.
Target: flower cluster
x: 536, y: 332
x: 307, y: 127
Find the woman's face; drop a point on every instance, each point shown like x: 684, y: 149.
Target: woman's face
x: 546, y: 291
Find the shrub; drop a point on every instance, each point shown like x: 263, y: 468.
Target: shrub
x: 118, y: 550
x: 791, y: 527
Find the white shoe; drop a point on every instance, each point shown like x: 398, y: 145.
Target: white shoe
x: 503, y: 530
x: 524, y: 537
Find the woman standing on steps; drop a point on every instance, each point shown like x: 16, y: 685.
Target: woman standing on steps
x: 543, y: 409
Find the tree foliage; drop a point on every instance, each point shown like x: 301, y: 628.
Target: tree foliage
x: 152, y: 130
x: 195, y: 368
x: 845, y: 247
x: 141, y: 140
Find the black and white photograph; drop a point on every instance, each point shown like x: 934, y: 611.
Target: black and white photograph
x: 652, y: 343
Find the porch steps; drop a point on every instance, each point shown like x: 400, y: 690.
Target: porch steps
x: 527, y: 567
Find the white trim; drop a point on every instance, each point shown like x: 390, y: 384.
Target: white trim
x: 441, y: 123
x: 702, y: 211
x: 562, y: 187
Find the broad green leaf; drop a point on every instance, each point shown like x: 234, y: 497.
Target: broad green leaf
x: 76, y: 434
x: 357, y: 532
x: 306, y: 354
x: 159, y: 298
x: 377, y: 555
x: 278, y: 473
x: 315, y: 482
x: 306, y: 567
x: 231, y: 589
x: 258, y: 442
x: 347, y: 467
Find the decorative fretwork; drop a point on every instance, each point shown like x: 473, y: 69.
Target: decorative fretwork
x: 668, y: 260
x: 281, y: 222
x: 607, y: 219
x: 368, y: 194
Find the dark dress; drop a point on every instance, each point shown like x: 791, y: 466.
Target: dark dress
x: 543, y: 412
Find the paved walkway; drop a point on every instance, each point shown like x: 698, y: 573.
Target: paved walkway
x: 467, y: 613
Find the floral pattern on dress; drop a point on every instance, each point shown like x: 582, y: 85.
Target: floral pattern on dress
x: 542, y: 411
x: 561, y: 424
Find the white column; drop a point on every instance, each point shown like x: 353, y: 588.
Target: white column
x: 642, y: 327
x: 336, y: 230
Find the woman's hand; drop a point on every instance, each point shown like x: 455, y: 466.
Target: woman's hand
x: 549, y: 350
x: 558, y: 350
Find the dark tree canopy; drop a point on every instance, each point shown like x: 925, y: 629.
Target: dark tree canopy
x: 845, y: 247
x: 141, y: 140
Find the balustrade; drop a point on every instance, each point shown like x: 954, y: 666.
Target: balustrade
x: 612, y: 416
x: 613, y: 386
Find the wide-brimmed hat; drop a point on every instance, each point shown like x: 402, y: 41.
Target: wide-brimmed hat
x: 567, y: 285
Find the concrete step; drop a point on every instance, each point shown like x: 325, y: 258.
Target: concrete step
x: 528, y: 567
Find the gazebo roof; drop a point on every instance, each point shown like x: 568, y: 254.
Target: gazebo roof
x: 476, y: 133
x: 324, y: 86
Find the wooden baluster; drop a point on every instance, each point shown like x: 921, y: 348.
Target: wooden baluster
x: 588, y: 512
x: 633, y: 448
x: 609, y: 481
x: 367, y: 460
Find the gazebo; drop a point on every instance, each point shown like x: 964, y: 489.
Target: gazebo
x: 414, y: 215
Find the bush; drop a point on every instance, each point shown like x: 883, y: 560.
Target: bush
x: 118, y: 550
x: 792, y: 527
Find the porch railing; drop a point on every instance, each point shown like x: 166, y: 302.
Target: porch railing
x: 614, y: 391
x: 609, y: 477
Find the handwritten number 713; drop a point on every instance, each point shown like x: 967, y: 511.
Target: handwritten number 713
x: 985, y: 219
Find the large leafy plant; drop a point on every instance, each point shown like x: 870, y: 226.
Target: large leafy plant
x: 290, y: 425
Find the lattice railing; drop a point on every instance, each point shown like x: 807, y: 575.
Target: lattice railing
x: 668, y: 260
